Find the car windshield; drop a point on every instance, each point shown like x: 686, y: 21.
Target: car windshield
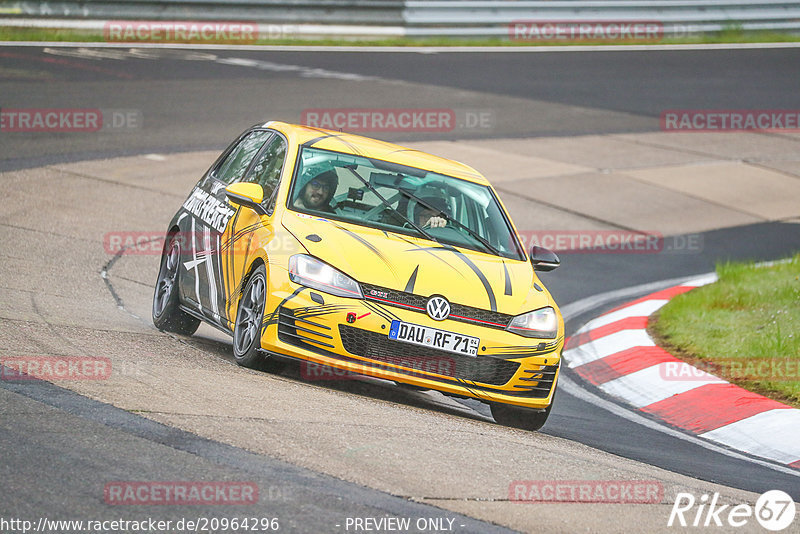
x: 401, y: 199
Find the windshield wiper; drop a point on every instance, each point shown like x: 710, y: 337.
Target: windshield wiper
x: 388, y: 205
x: 449, y: 218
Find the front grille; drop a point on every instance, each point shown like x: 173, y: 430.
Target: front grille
x: 458, y: 312
x: 378, y: 347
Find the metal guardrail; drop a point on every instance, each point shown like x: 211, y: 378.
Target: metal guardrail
x: 351, y: 12
x: 419, y: 18
x: 492, y: 18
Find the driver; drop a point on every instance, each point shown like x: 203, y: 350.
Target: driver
x: 428, y: 218
x: 316, y: 189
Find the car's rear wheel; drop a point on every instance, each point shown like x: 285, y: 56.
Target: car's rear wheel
x: 248, y: 326
x: 523, y: 418
x: 167, y: 314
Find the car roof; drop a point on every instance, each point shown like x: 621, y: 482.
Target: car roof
x: 373, y: 148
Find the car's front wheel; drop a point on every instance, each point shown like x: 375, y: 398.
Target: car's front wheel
x: 248, y: 326
x: 523, y: 418
x: 167, y: 314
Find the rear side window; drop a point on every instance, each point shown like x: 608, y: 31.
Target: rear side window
x: 235, y: 164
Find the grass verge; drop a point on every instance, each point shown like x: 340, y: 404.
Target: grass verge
x: 13, y: 33
x: 744, y: 328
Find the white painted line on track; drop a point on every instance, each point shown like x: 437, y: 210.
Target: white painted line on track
x: 579, y: 307
x: 706, y: 279
x: 417, y: 49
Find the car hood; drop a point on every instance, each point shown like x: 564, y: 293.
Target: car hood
x: 419, y: 266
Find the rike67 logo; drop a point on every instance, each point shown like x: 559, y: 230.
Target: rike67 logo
x: 774, y: 510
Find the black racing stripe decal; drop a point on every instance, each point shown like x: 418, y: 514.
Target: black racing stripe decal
x: 428, y: 250
x: 380, y: 310
x: 520, y: 351
x: 481, y: 276
x: 217, y: 264
x: 351, y: 146
x: 272, y: 318
x: 519, y: 354
x: 228, y: 244
x: 508, y: 280
x: 369, y: 245
x: 313, y: 312
x: 478, y: 272
x: 240, y: 286
x: 438, y: 247
x: 549, y: 344
x: 318, y: 139
x: 468, y: 385
x: 315, y: 129
x: 411, y: 281
x: 321, y: 307
x: 404, y: 150
x: 229, y: 263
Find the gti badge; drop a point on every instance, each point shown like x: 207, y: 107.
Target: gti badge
x: 438, y: 308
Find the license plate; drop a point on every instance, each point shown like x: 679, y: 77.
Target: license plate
x: 434, y: 338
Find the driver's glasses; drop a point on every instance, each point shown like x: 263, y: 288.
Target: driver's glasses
x: 319, y: 184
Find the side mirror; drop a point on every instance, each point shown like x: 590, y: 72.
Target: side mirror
x: 248, y: 195
x: 543, y: 260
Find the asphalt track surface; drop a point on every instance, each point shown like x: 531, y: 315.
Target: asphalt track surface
x: 192, y: 100
x: 195, y: 103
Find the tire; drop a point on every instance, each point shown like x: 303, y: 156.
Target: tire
x: 523, y: 418
x: 167, y: 315
x: 248, y: 326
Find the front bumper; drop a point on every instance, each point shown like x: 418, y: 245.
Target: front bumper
x: 509, y: 369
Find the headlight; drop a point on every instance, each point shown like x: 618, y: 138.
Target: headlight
x: 309, y: 271
x: 541, y: 323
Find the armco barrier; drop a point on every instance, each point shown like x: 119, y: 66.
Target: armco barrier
x: 350, y: 12
x: 420, y: 18
x: 678, y: 17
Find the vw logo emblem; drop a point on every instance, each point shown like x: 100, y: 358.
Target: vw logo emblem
x: 438, y: 308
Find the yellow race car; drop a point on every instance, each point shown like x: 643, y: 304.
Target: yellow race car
x: 367, y: 257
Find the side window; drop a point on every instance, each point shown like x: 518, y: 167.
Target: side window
x: 235, y: 164
x: 268, y: 166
